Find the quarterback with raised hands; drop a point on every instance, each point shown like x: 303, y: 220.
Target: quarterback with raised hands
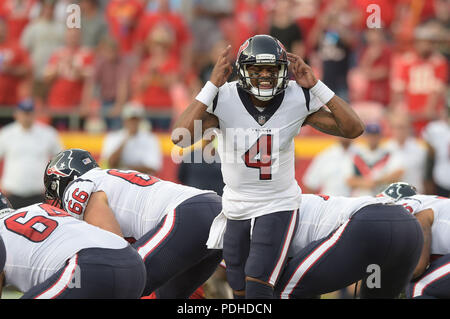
x: 256, y: 119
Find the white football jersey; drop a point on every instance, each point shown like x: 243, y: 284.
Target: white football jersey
x: 40, y: 238
x: 321, y: 214
x: 440, y: 230
x: 138, y: 201
x: 256, y: 149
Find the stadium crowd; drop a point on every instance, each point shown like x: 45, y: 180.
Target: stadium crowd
x: 160, y: 52
x: 390, y: 62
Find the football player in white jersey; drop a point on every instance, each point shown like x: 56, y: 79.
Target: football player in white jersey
x: 432, y: 274
x: 257, y: 118
x: 341, y: 240
x: 51, y: 255
x: 170, y: 222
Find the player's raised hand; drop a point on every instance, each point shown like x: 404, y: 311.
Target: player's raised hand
x: 303, y: 74
x: 222, y: 69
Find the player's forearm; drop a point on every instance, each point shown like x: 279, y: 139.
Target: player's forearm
x: 425, y: 255
x: 425, y: 219
x: 347, y: 121
x: 114, y: 159
x: 195, y: 112
x: 393, y: 177
x: 360, y: 182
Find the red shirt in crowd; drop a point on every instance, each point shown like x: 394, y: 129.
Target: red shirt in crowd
x: 155, y: 94
x: 417, y: 78
x: 378, y: 90
x: 175, y: 21
x: 11, y: 54
x: 122, y: 17
x: 249, y: 18
x: 71, y: 68
x: 17, y: 15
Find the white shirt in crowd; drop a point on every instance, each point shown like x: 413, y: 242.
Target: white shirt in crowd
x: 413, y: 156
x: 437, y: 134
x: 329, y: 171
x: 141, y: 149
x: 25, y: 154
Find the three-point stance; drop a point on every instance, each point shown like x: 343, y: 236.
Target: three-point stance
x: 341, y: 240
x: 51, y: 255
x: 169, y: 221
x: 432, y: 274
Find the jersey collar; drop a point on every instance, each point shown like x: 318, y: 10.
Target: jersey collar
x: 260, y: 117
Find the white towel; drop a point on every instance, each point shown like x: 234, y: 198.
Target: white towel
x: 216, y: 232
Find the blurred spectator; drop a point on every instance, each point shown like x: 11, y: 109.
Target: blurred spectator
x: 374, y: 166
x: 41, y: 38
x: 181, y: 46
x: 206, y: 27
x: 420, y: 79
x: 250, y: 17
x: 155, y: 75
x: 306, y: 13
x: 334, y: 36
x: 437, y: 136
x: 387, y: 10
x: 111, y: 76
x: 200, y: 168
x: 123, y: 17
x: 375, y: 67
x: 69, y: 72
x: 94, y: 27
x: 284, y: 28
x: 135, y: 146
x: 330, y: 169
x: 15, y: 67
x: 61, y: 12
x: 17, y: 14
x: 411, y: 152
x: 26, y: 146
x: 442, y: 21
x: 210, y: 61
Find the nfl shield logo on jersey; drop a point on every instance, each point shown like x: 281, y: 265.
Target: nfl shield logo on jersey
x: 261, y: 119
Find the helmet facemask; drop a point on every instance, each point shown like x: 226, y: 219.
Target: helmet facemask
x: 278, y: 82
x: 262, y: 50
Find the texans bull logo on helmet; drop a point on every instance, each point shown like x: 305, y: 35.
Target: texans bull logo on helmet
x: 61, y: 166
x: 64, y: 168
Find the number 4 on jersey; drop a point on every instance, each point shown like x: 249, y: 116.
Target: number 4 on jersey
x: 259, y: 156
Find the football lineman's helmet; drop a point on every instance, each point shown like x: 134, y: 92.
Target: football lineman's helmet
x: 63, y: 169
x: 399, y: 190
x: 262, y: 50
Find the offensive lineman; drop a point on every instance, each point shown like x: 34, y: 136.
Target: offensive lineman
x: 341, y: 240
x: 169, y: 221
x: 258, y: 117
x: 51, y: 255
x: 432, y: 274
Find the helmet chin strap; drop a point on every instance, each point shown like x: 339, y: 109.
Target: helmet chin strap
x: 259, y: 94
x: 263, y: 98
